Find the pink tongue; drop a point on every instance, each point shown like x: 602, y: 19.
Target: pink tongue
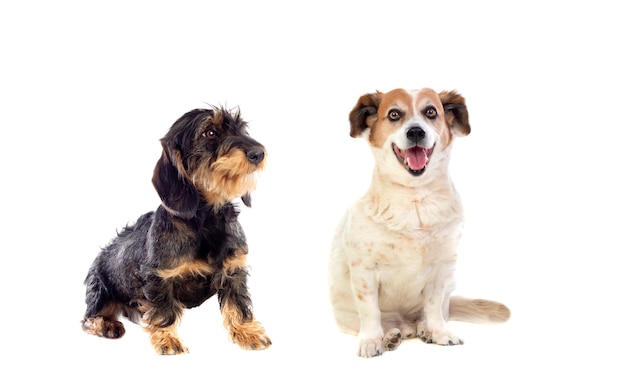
x: 415, y: 158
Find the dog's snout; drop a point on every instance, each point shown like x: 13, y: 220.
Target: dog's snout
x: 415, y: 133
x: 255, y: 156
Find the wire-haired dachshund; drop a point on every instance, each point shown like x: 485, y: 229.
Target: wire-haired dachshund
x: 192, y: 247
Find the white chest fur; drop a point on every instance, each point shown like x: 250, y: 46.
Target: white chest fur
x: 405, y: 238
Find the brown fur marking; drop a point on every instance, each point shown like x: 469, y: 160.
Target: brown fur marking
x: 229, y: 177
x: 104, y: 327
x: 215, y: 120
x: 458, y: 120
x: 247, y: 334
x: 165, y: 340
x: 383, y: 127
x: 233, y: 263
x: 191, y: 268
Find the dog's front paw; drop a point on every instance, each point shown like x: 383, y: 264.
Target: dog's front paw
x: 440, y: 336
x: 169, y: 345
x: 368, y: 348
x: 251, y: 336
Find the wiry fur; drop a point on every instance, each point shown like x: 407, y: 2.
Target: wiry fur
x: 192, y: 247
x: 393, y: 256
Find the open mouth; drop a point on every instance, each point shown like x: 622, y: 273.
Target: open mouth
x: 415, y: 159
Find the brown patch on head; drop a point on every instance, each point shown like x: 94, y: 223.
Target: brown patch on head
x: 384, y: 113
x: 397, y: 99
x: 375, y: 111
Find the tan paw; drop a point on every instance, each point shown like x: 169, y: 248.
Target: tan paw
x: 251, y: 336
x: 102, y: 327
x: 169, y: 346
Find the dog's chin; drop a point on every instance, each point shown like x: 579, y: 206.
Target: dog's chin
x: 415, y: 159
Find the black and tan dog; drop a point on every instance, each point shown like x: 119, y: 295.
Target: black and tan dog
x: 192, y: 247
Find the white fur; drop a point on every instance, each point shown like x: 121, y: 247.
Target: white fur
x: 394, y: 252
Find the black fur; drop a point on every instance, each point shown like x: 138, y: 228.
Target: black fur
x: 187, y: 229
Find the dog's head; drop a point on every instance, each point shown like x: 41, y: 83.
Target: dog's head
x: 207, y: 157
x: 411, y: 126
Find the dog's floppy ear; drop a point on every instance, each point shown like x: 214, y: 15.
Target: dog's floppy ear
x: 363, y: 114
x: 456, y: 114
x: 179, y: 196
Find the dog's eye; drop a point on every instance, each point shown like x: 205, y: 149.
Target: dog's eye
x: 209, y: 133
x: 430, y: 112
x: 394, y: 115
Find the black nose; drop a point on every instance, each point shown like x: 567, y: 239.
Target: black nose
x: 415, y: 133
x: 255, y: 156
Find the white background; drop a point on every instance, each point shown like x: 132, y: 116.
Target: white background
x: 87, y: 89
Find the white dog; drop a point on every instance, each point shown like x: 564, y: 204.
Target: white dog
x: 393, y: 256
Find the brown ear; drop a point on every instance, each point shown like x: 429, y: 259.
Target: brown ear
x: 364, y: 112
x: 179, y: 196
x: 456, y: 113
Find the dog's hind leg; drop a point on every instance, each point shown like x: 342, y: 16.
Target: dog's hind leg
x: 102, y: 312
x: 103, y: 327
x: 236, y: 307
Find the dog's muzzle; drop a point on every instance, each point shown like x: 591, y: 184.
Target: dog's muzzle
x: 415, y: 159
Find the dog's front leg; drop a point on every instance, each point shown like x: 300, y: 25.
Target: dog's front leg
x: 365, y: 289
x: 161, y: 317
x: 236, y: 306
x: 165, y: 340
x: 433, y: 327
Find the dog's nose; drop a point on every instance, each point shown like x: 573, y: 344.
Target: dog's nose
x: 255, y: 156
x: 415, y: 133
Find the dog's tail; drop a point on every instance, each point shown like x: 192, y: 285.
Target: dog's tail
x: 477, y: 310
